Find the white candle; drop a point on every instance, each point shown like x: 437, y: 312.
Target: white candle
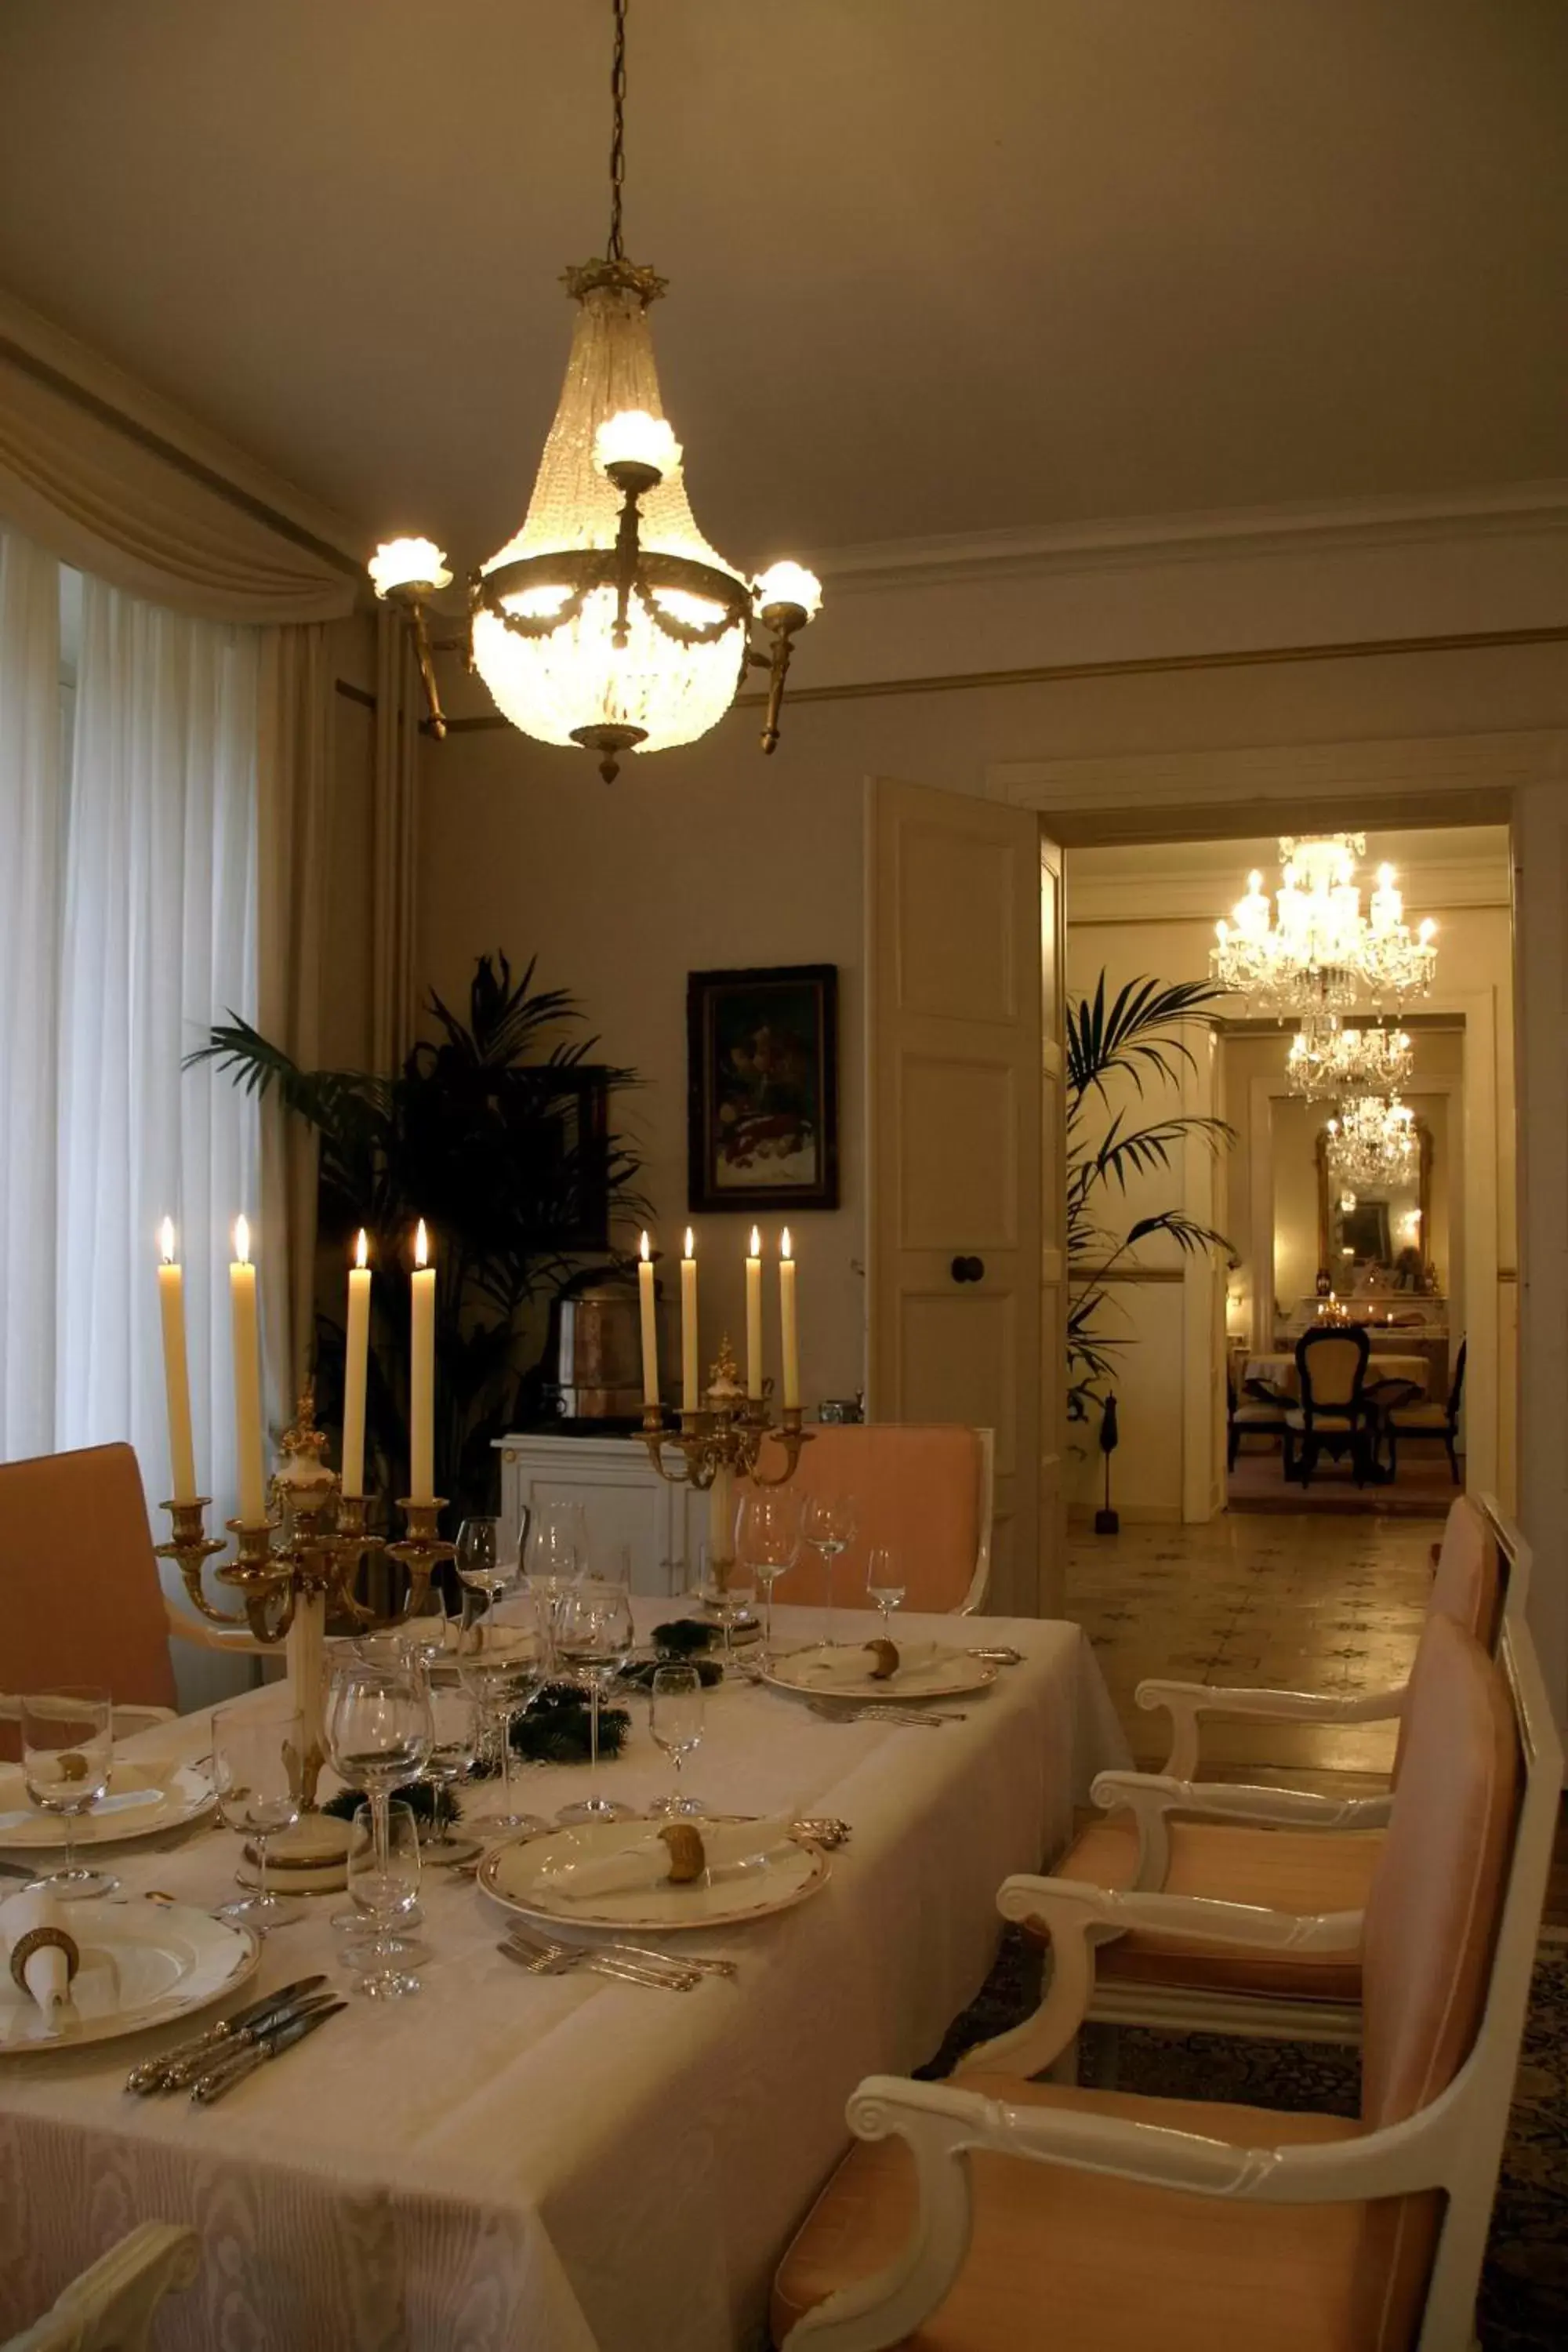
x: 422, y: 1375
x: 356, y: 1359
x: 690, y: 1381
x: 754, y: 1317
x: 176, y: 1374
x: 788, y: 1331
x: 246, y: 1380
x: 648, y: 1303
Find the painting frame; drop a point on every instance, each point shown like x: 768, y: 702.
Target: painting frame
x: 724, y: 1028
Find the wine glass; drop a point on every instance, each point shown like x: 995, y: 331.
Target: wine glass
x: 593, y: 1638
x: 503, y: 1679
x: 481, y: 1560
x: 67, y: 1752
x: 829, y: 1528
x: 728, y: 1589
x: 884, y: 1582
x: 768, y: 1538
x: 384, y: 1884
x: 455, y: 1724
x: 378, y: 1730
x: 258, y: 1775
x: 675, y: 1719
x: 557, y: 1552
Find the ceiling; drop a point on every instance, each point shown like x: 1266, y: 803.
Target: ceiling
x: 938, y: 266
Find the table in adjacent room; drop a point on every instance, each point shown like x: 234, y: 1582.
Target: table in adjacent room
x: 570, y: 2163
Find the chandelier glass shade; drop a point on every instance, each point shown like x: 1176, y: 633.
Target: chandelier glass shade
x: 1328, y: 1061
x: 1372, y: 1141
x: 1313, y: 950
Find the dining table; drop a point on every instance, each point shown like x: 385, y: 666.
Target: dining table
x: 506, y: 2162
x: 1278, y: 1372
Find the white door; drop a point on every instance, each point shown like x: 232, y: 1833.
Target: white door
x: 967, y: 1302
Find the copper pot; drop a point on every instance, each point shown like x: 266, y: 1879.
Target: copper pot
x: 596, y: 1353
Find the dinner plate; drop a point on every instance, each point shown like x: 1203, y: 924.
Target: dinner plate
x: 145, y: 1799
x: 512, y: 1874
x: 947, y: 1674
x: 141, y: 1963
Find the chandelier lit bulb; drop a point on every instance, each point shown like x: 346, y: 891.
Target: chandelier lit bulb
x: 1327, y: 1060
x: 1314, y: 950
x: 1372, y: 1142
x: 607, y: 621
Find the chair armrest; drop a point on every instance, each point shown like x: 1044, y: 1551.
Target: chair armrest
x: 1078, y: 1918
x: 1152, y: 1798
x: 942, y: 2124
x: 1187, y: 1702
x: 237, y: 1639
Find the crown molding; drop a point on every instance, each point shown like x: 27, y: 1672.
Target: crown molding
x: 1509, y: 510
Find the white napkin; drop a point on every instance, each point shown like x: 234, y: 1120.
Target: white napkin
x: 729, y: 1848
x: 855, y: 1665
x: 46, y: 1972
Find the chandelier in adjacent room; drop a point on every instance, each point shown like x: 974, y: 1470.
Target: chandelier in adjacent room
x: 1373, y: 1142
x: 1328, y: 1060
x: 1314, y: 951
x: 607, y: 621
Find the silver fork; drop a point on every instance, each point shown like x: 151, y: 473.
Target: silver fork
x: 830, y: 1713
x: 563, y: 1959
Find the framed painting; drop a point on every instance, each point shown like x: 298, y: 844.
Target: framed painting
x: 763, y: 1089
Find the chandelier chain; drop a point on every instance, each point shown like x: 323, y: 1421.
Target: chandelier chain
x: 615, y: 250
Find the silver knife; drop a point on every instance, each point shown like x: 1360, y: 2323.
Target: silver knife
x: 208, y: 2088
x: 250, y: 2037
x: 156, y: 2073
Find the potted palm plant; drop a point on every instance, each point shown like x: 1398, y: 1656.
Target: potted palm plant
x: 496, y: 1131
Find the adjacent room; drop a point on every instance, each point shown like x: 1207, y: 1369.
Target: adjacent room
x: 784, y: 1318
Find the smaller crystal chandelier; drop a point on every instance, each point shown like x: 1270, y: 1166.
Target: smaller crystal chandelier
x: 607, y: 621
x: 1315, y: 951
x: 1326, y: 1061
x: 1372, y: 1141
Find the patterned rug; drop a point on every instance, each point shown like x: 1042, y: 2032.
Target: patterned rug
x: 1524, y: 2287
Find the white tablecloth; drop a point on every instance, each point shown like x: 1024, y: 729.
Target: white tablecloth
x: 568, y: 2165
x: 1279, y: 1371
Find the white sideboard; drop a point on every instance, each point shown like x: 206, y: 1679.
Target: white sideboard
x: 627, y: 1501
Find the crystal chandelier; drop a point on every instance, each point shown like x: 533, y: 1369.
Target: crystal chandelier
x: 1372, y: 1141
x: 607, y: 621
x: 1326, y: 1061
x: 1315, y: 951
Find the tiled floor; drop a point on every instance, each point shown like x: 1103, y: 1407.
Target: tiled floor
x: 1303, y: 1602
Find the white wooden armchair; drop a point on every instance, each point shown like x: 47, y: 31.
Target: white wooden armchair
x: 1287, y: 1849
x: 110, y: 2307
x: 992, y: 2211
x: 80, y: 1597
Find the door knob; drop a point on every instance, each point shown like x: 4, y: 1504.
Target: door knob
x: 968, y: 1269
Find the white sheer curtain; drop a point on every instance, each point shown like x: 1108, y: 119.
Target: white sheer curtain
x: 158, y: 940
x: 31, y: 837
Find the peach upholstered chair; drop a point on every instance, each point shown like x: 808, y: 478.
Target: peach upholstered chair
x: 991, y: 2211
x: 924, y: 1488
x: 1290, y: 1849
x: 81, y: 1599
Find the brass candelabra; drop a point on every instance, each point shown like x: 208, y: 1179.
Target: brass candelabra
x: 721, y: 1441
x: 300, y: 1566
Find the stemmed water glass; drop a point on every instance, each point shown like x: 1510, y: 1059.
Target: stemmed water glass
x: 557, y: 1552
x: 675, y: 1719
x: 258, y: 1776
x: 383, y: 1885
x: 455, y: 1723
x: 485, y: 1561
x: 67, y: 1753
x: 830, y: 1530
x: 378, y: 1731
x: 503, y: 1679
x: 593, y: 1638
x: 768, y: 1538
x: 884, y: 1582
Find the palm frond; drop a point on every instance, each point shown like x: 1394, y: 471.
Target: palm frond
x: 1137, y: 1035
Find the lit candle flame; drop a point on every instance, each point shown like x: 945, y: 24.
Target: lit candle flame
x: 421, y: 1245
x: 362, y: 1249
x: 242, y: 1240
x: 690, y: 1250
x: 1254, y: 882
x: 166, y: 1240
x: 646, y: 1253
x: 1385, y: 875
x: 784, y: 1249
x: 756, y: 1242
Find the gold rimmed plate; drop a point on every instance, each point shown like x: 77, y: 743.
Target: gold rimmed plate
x: 146, y: 1799
x: 516, y: 1876
x: 826, y: 1670
x: 143, y: 1964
